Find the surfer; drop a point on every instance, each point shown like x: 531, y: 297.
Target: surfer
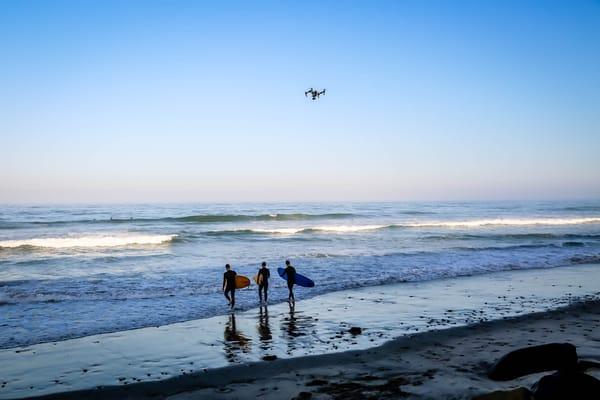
x: 262, y: 278
x: 291, y: 279
x: 229, y: 285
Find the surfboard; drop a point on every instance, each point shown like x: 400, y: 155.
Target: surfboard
x: 255, y: 279
x: 300, y: 280
x: 241, y: 282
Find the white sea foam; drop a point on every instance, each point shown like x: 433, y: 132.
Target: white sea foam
x: 283, y: 231
x: 88, y: 241
x: 331, y: 228
x: 349, y: 228
x: 505, y: 222
x: 441, y: 224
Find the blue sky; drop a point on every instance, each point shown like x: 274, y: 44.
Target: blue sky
x: 148, y: 101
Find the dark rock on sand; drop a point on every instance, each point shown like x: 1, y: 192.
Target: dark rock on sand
x: 351, y: 390
x: 317, y: 382
x: 270, y: 358
x: 529, y: 360
x: 355, y: 330
x: 303, y: 396
x: 587, y: 364
x: 567, y: 385
x: 514, y: 394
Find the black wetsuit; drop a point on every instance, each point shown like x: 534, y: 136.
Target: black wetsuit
x: 291, y: 279
x: 263, y: 277
x: 229, y: 283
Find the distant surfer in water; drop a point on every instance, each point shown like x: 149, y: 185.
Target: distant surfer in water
x: 229, y: 284
x: 262, y: 278
x: 291, y: 279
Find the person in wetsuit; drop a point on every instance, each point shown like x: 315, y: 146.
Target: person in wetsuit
x: 229, y: 285
x: 291, y: 279
x: 263, y: 281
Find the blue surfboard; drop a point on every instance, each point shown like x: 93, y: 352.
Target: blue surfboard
x: 300, y: 280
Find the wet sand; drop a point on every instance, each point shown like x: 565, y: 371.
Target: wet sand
x: 450, y: 363
x: 442, y: 364
x: 220, y: 357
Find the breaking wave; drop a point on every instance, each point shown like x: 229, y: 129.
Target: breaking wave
x: 505, y: 222
x: 432, y: 224
x: 293, y: 231
x: 87, y: 241
x: 332, y: 228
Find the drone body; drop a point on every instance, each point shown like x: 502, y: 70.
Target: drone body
x: 314, y: 93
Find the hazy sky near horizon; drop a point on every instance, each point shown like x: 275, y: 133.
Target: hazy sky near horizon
x: 118, y: 101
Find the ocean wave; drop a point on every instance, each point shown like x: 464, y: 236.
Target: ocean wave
x: 325, y: 268
x: 585, y: 259
x: 431, y: 224
x: 581, y: 208
x: 9, y: 225
x: 224, y: 218
x: 293, y: 231
x: 573, y: 244
x: 355, y: 228
x: 504, y: 222
x: 511, y: 236
x: 261, y: 217
x: 86, y: 241
x: 199, y: 219
x: 507, y: 247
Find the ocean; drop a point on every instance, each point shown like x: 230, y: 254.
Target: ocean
x: 78, y: 270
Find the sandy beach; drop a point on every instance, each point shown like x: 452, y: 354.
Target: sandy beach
x: 426, y: 340
x: 450, y: 363
x: 442, y: 364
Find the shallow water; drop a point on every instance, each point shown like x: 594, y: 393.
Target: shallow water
x: 316, y: 326
x: 72, y: 271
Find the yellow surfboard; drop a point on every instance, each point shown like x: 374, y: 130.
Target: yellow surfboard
x: 258, y: 279
x: 241, y: 282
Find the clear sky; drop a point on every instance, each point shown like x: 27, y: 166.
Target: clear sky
x: 118, y: 101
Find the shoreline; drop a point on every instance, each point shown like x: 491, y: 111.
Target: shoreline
x: 302, y: 297
x: 318, y: 327
x: 315, y: 374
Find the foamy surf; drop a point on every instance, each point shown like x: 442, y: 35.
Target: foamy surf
x: 332, y: 229
x: 504, y: 222
x: 282, y: 231
x: 87, y: 241
x: 349, y: 228
x: 479, y: 223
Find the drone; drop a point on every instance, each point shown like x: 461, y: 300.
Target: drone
x: 314, y: 93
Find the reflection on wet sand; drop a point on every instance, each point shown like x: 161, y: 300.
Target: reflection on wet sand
x: 235, y: 343
x: 264, y: 329
x: 296, y: 325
